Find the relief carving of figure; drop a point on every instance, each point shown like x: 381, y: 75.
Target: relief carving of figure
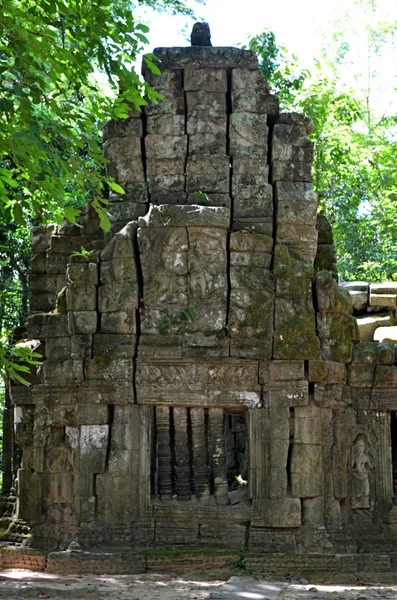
x: 361, y: 465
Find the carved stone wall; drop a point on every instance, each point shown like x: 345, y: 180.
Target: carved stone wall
x: 202, y: 384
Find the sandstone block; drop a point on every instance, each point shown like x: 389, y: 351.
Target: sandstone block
x: 60, y: 244
x: 327, y: 371
x: 294, y: 287
x: 38, y: 263
x: 208, y: 175
x: 386, y: 376
x: 82, y: 273
x: 119, y: 128
x: 171, y: 103
x: 330, y: 296
x: 323, y: 226
x: 251, y: 277
x: 121, y: 244
x: 117, y: 297
x: 369, y: 324
x: 166, y: 146
x: 208, y: 80
x: 59, y: 371
x: 253, y: 347
x: 335, y: 396
x: 281, y: 394
x: 125, y: 162
x: 251, y: 312
x: 41, y: 236
x: 286, y: 370
x: 250, y: 101
x: 296, y: 203
x: 204, y: 109
x: 206, y: 57
x: 118, y: 270
x: 295, y: 118
x: 287, y: 266
x: 127, y: 210
x: 288, y: 345
x: 166, y: 124
x: 182, y: 216
x: 207, y: 143
x: 44, y: 325
x: 258, y: 224
x: 361, y: 375
x: 284, y: 153
x: 82, y: 322
x: 295, y: 314
x: 117, y: 369
x: 114, y: 345
x: 243, y: 79
x: 248, y: 135
x: 382, y: 299
x: 56, y: 263
x: 286, y: 170
x: 374, y: 353
x: 81, y: 297
x: 285, y: 513
x: 301, y: 240
x: 118, y: 322
x: 167, y: 80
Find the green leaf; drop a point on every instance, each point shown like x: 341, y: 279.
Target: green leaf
x: 115, y: 186
x: 191, y: 312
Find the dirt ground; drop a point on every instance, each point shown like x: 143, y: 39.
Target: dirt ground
x: 16, y: 584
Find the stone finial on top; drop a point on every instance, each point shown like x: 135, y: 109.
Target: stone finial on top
x: 201, y: 35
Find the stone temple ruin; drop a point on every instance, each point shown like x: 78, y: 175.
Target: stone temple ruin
x: 203, y: 382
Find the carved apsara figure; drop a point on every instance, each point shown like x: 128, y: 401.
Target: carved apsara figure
x: 361, y: 464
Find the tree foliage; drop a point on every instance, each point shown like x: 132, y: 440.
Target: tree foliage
x: 355, y: 146
x: 66, y: 67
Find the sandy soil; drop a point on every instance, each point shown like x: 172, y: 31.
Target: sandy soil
x: 17, y: 585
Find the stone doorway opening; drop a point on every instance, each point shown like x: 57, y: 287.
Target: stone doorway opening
x: 200, y: 454
x: 393, y: 435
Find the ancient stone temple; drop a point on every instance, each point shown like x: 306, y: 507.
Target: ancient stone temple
x: 203, y: 384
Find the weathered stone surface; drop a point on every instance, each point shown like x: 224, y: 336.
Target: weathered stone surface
x: 257, y: 101
x: 206, y: 80
x: 117, y: 296
x: 82, y: 321
x: 248, y: 135
x: 294, y: 314
x: 119, y: 128
x: 296, y: 203
x: 327, y: 371
x: 81, y: 297
x: 290, y: 344
x: 296, y: 119
x: 82, y: 274
x: 202, y: 379
x: 301, y: 240
x: 193, y: 216
x: 286, y: 265
x: 125, y: 161
x: 374, y: 353
x: 369, y: 324
x: 208, y: 176
x: 330, y: 297
x: 198, y: 383
x: 251, y: 312
x: 200, y: 57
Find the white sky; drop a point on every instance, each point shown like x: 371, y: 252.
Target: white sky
x: 298, y: 25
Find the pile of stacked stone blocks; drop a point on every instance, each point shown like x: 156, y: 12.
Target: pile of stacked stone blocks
x: 374, y: 305
x: 202, y: 385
